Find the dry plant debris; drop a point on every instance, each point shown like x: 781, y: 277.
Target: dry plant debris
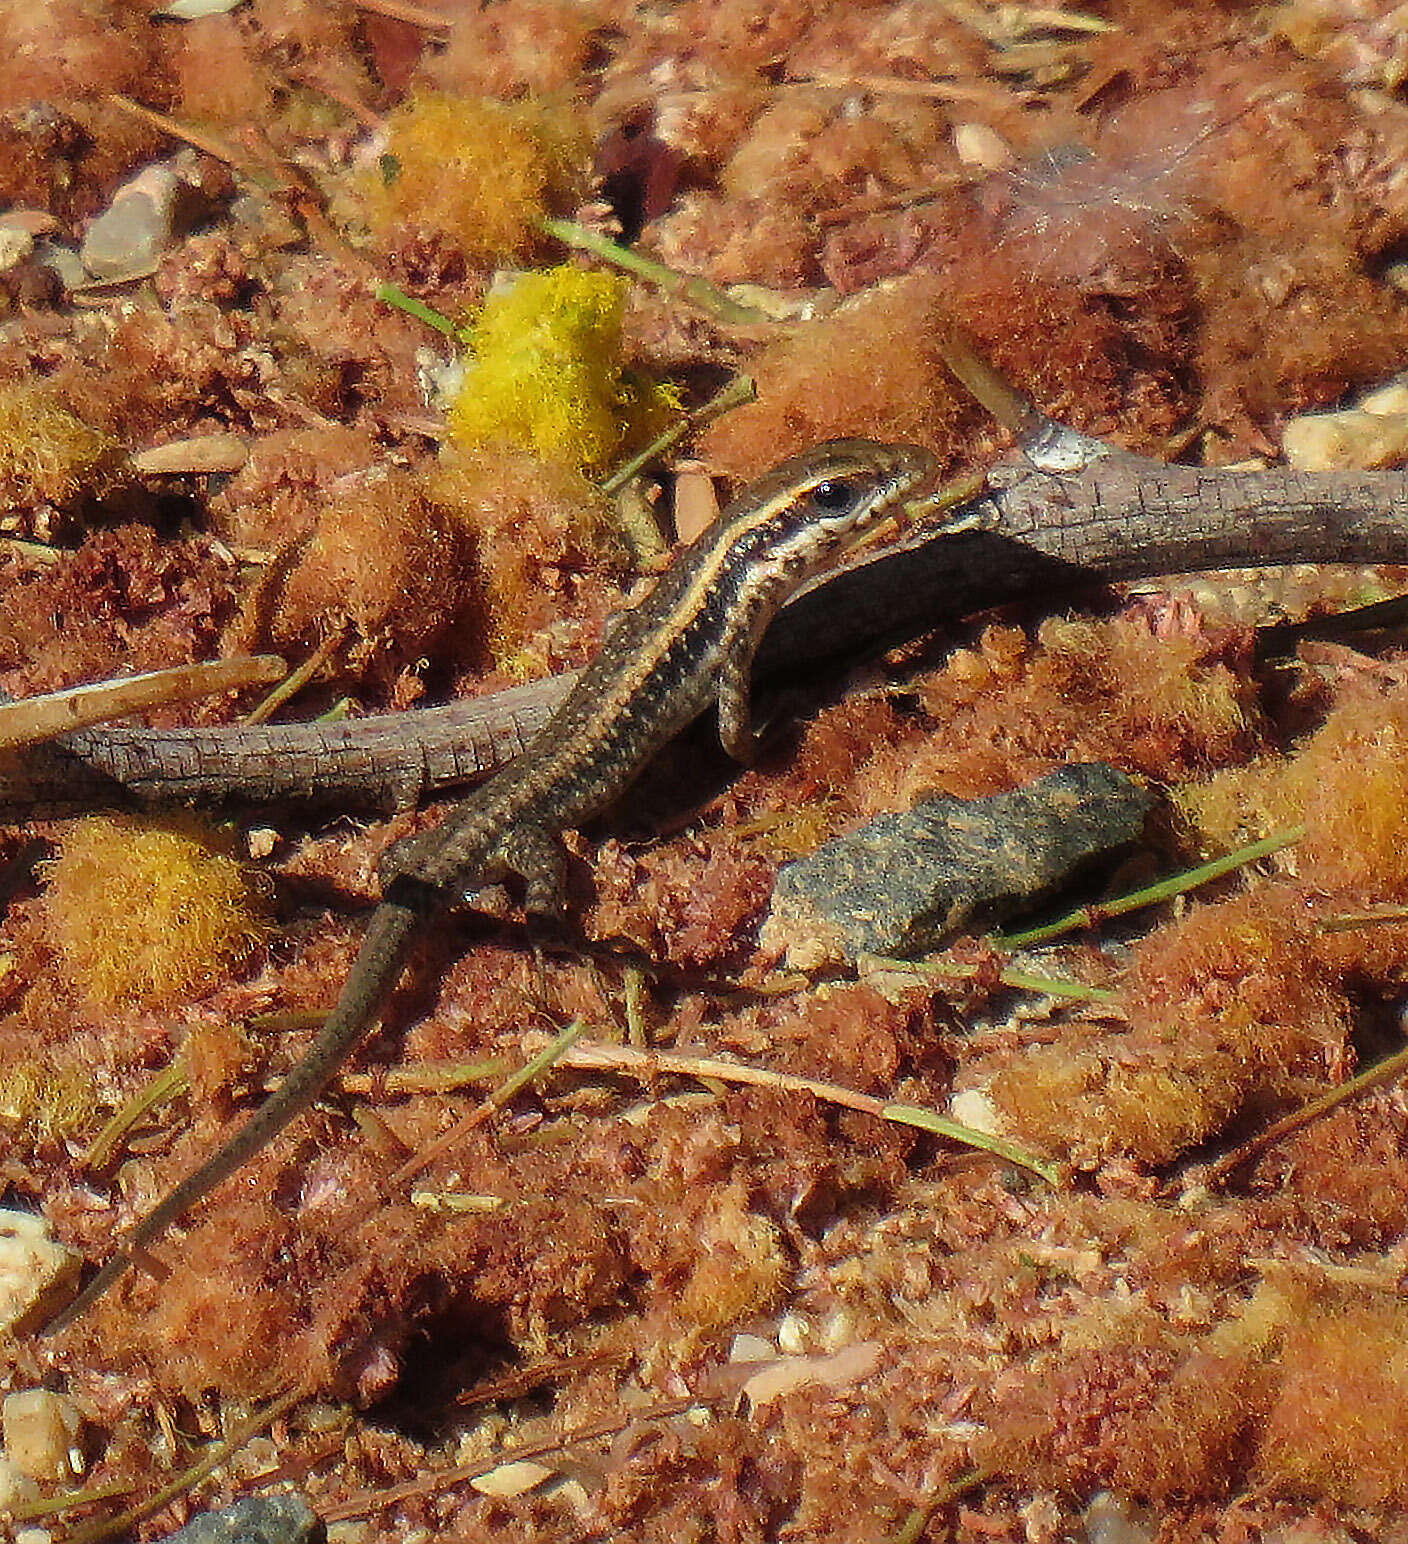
x: 707, y: 1310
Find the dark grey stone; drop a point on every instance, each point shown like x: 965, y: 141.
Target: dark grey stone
x: 902, y: 882
x: 282, y: 1519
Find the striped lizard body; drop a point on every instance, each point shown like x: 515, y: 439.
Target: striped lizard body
x: 687, y: 644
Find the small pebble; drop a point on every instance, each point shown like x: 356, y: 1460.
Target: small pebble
x: 135, y: 229
x: 1111, y: 1518
x: 1351, y: 440
x: 41, y: 1430
x: 982, y: 147
x: 37, y: 1275
x: 15, y: 246
x: 15, y: 1488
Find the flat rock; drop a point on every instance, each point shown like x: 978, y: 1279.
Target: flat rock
x: 901, y: 883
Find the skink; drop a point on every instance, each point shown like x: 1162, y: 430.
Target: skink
x: 688, y: 643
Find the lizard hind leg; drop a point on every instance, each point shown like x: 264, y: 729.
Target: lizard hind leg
x: 538, y: 856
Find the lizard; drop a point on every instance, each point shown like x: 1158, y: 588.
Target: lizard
x: 687, y: 644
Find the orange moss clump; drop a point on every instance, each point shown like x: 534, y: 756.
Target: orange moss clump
x: 1086, y: 1102
x: 535, y: 527
x: 1230, y: 1005
x: 1147, y: 1421
x: 872, y: 368
x: 480, y: 174
x: 1011, y: 709
x: 141, y: 913
x: 1339, y: 1426
x: 384, y: 564
x: 218, y: 79
x: 504, y: 50
x: 740, y: 1268
x: 47, y: 454
x: 1347, y: 783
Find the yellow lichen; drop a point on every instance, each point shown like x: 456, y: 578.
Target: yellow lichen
x: 547, y: 374
x: 141, y: 912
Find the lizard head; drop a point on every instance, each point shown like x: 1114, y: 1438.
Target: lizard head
x: 800, y: 517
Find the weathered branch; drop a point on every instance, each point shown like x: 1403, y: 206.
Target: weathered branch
x: 1068, y: 513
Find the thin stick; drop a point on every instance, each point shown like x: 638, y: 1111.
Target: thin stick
x: 1387, y: 1071
x: 36, y: 719
x: 1150, y: 895
x: 207, y: 143
x: 708, y: 297
x: 296, y: 680
x: 215, y: 1455
x: 651, y: 1064
x: 400, y: 10
x: 548, y: 1056
x: 167, y: 1084
x: 378, y: 1501
x: 734, y: 394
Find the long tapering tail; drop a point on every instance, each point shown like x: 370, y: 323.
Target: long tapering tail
x: 383, y: 951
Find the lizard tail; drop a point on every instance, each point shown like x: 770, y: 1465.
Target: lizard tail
x: 383, y: 951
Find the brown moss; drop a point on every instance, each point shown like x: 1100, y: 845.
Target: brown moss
x: 1341, y: 1182
x: 303, y: 42
x: 274, y: 498
x: 536, y: 49
x: 71, y: 50
x: 384, y: 566
x: 1355, y: 44
x: 1230, y: 972
x: 159, y: 373
x: 800, y: 152
x: 1096, y: 1334
x: 734, y: 241
x: 739, y: 1270
x: 1121, y: 691
x: 123, y: 602
x: 342, y: 351
x: 1291, y: 327
x: 694, y: 913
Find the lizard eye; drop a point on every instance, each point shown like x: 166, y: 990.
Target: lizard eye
x: 832, y: 496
